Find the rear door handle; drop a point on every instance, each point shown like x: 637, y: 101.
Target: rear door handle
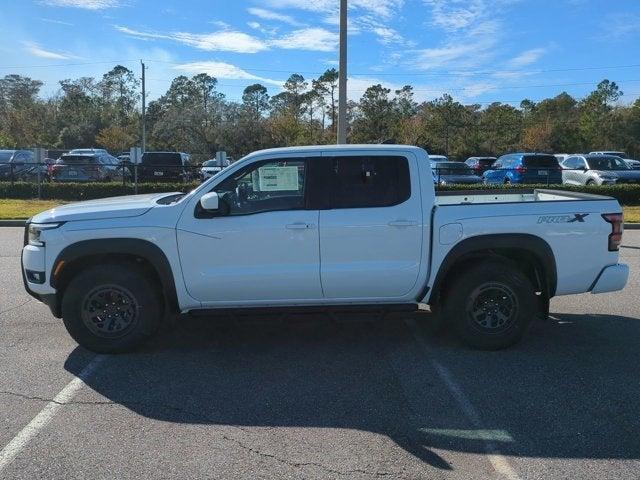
x: 402, y: 223
x: 299, y: 226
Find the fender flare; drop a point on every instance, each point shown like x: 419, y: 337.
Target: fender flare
x: 520, y: 241
x: 125, y: 246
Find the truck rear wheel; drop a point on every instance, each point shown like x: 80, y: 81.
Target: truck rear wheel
x: 111, y: 308
x: 491, y: 305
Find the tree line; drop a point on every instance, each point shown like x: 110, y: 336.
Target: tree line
x: 193, y: 116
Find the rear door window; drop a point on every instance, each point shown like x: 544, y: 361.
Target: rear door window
x: 368, y: 181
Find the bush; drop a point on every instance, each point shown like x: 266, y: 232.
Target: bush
x: 86, y: 191
x: 625, y: 194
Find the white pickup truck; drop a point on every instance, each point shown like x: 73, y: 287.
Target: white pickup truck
x: 328, y: 227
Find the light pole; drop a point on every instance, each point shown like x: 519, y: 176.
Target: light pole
x: 342, y: 76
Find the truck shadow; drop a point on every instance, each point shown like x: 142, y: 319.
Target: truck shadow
x: 569, y: 390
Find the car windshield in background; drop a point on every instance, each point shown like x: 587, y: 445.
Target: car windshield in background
x: 210, y: 163
x: 5, y: 155
x: 607, y: 163
x: 540, y: 161
x: 78, y: 158
x: 161, y: 159
x: 452, y: 168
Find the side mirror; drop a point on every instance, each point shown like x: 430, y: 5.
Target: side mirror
x: 210, y: 201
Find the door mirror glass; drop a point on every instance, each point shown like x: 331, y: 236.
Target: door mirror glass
x: 210, y: 201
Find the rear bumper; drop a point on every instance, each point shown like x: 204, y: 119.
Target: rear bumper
x: 611, y: 279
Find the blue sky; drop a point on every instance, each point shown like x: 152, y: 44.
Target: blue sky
x: 476, y: 50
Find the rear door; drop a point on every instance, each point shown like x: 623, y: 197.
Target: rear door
x: 370, y: 225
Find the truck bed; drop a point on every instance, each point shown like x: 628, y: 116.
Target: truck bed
x: 461, y: 197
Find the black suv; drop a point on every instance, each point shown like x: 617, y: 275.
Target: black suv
x: 164, y: 167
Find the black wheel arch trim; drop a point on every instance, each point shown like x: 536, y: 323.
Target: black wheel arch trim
x: 518, y: 241
x: 124, y: 246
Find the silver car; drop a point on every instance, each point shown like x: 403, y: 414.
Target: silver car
x: 597, y: 170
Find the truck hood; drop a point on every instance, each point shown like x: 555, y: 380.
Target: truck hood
x: 113, y: 207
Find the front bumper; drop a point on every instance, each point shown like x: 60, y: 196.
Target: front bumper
x: 611, y: 279
x: 33, y: 259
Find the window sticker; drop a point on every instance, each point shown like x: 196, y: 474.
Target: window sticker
x: 275, y: 179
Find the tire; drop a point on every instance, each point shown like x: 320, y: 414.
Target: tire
x: 136, y: 311
x: 502, y: 290
x: 507, y: 181
x: 591, y: 183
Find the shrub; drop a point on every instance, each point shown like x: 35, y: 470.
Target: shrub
x: 85, y: 191
x: 625, y: 194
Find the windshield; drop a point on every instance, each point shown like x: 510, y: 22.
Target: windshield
x: 452, y: 168
x: 210, y: 163
x: 607, y: 163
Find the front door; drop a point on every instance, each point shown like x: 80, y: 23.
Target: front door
x: 371, y: 230
x: 264, y: 249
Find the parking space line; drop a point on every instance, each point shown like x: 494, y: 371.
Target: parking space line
x: 22, y: 439
x: 499, y: 462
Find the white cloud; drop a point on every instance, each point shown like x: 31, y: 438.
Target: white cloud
x: 224, y: 70
x: 271, y: 15
x: 86, y: 4
x: 254, y: 25
x: 527, y: 57
x: 223, y: 41
x: 454, y: 15
x: 317, y: 39
x: 57, y: 22
x: 37, y: 51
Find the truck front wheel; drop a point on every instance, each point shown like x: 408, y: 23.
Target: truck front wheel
x: 111, y: 308
x: 490, y: 305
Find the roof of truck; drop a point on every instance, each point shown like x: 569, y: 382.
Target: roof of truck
x: 316, y: 148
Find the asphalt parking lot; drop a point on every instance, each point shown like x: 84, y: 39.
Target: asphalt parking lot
x: 319, y: 398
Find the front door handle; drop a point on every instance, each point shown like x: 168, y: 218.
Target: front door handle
x: 298, y: 226
x: 402, y: 223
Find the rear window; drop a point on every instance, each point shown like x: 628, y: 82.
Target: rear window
x: 78, y: 159
x: 161, y: 159
x: 540, y: 161
x: 452, y: 168
x: 486, y: 161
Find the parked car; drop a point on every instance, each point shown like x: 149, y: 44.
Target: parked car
x: 445, y: 173
x: 597, y: 169
x: 633, y: 164
x: 88, y: 151
x: 19, y: 165
x: 165, y: 167
x: 320, y: 227
x: 531, y: 168
x: 561, y: 157
x: 87, y: 167
x: 480, y: 164
x: 210, y: 168
x: 438, y: 158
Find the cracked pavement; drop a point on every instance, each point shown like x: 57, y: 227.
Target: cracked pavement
x: 318, y: 398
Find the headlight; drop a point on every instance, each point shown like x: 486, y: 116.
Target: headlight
x: 35, y: 232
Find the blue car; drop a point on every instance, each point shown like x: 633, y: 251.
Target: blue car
x: 532, y: 168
